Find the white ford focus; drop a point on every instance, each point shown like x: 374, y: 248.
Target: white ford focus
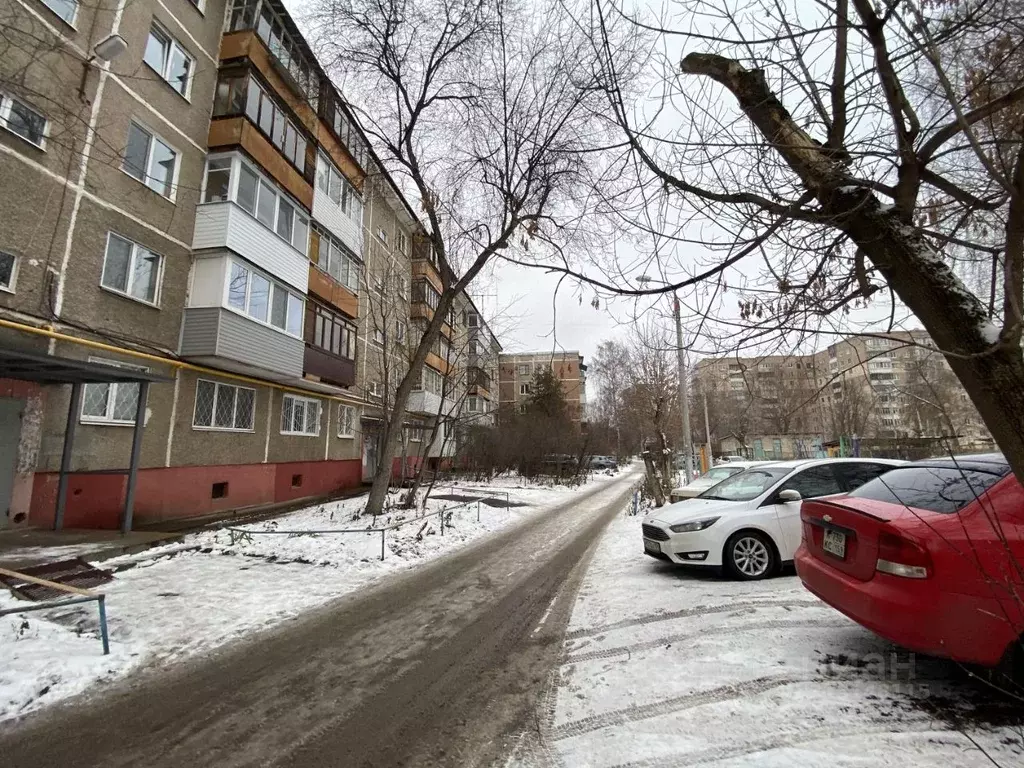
x: 749, y: 524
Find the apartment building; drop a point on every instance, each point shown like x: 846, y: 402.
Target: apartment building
x: 186, y: 201
x: 483, y: 357
x: 886, y: 386
x: 516, y: 373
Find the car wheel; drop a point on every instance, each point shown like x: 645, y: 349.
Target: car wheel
x: 749, y: 555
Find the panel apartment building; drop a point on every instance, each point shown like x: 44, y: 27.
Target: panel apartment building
x: 876, y: 387
x: 516, y: 373
x: 184, y: 195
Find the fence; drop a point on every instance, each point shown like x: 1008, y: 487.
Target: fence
x: 81, y: 596
x: 245, y: 534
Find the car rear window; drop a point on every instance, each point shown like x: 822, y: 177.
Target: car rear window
x: 937, y: 489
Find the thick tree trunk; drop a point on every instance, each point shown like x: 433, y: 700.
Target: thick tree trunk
x: 991, y: 371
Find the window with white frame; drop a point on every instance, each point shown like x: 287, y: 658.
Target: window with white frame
x: 199, y: 4
x: 524, y: 370
x: 111, y: 402
x: 337, y: 260
x: 347, y: 421
x: 256, y: 295
x: 473, y: 320
x: 8, y: 271
x: 416, y: 432
x: 378, y: 335
x: 524, y: 389
x: 337, y: 187
x: 224, y: 407
x: 430, y: 380
x: 66, y: 9
x: 402, y: 287
x: 402, y: 243
x: 373, y: 389
x: 474, y: 347
x: 151, y: 161
x: 399, y: 332
x: 131, y: 270
x: 169, y: 59
x: 300, y: 416
x: 382, y: 235
x: 22, y: 120
x: 474, y: 404
x: 232, y: 178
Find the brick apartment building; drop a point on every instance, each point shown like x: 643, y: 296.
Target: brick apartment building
x: 185, y: 196
x: 516, y: 373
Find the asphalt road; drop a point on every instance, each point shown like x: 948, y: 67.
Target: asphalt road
x: 438, y: 666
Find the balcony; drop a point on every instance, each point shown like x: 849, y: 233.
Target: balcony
x: 225, y: 225
x: 329, y: 368
x: 226, y: 339
x: 330, y: 290
x: 425, y: 402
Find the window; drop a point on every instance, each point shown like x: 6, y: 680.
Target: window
x: 300, y: 416
x: 66, y: 9
x: 170, y: 60
x: 149, y: 160
x: 399, y: 332
x: 524, y: 389
x: 257, y: 197
x: 331, y: 332
x: 402, y: 243
x: 8, y: 271
x: 224, y: 407
x: 347, y: 421
x: 21, y: 120
x: 402, y: 287
x: 382, y: 235
x: 524, y: 370
x: 373, y: 389
x: 474, y: 347
x: 473, y: 320
x: 111, y: 402
x: 260, y: 298
x: 474, y: 404
x: 425, y: 293
x: 938, y: 489
x: 336, y: 186
x: 416, y: 432
x: 378, y: 336
x: 430, y: 380
x: 130, y: 269
x: 337, y: 260
x: 813, y: 482
x: 345, y: 131
x: 240, y: 93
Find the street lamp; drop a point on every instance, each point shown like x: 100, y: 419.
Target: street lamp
x: 684, y: 400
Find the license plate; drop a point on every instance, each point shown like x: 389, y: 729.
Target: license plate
x: 834, y: 543
x: 652, y: 546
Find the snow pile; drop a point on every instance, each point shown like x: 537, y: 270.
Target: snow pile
x: 185, y: 599
x: 663, y: 667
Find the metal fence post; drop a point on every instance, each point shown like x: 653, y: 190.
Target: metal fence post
x: 478, y: 510
x: 103, y: 625
x: 383, y: 533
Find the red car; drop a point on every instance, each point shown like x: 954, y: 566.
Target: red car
x: 929, y: 555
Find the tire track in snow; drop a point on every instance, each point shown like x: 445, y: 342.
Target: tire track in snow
x: 699, y: 610
x: 783, y: 740
x: 667, y: 706
x: 668, y: 639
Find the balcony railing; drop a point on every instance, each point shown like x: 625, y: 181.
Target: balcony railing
x: 329, y: 368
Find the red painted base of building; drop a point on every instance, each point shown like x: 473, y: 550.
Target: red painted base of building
x: 173, y: 493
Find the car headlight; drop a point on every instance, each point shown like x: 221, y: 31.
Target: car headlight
x: 696, y: 525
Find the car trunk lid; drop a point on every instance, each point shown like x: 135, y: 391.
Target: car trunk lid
x: 856, y: 536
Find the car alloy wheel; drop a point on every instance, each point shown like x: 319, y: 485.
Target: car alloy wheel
x: 750, y: 556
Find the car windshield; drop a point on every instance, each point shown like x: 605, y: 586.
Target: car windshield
x: 937, y: 489
x: 720, y: 473
x: 747, y: 485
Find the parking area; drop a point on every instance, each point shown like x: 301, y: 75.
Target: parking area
x: 664, y: 667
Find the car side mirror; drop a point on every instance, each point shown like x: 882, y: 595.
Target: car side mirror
x: 789, y: 495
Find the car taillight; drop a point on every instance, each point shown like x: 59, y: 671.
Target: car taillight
x: 902, y: 557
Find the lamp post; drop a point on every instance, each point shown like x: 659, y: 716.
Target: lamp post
x: 684, y: 400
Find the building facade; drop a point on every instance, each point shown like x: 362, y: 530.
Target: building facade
x: 516, y: 373
x: 884, y: 387
x: 183, y: 190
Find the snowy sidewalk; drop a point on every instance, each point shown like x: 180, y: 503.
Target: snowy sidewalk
x: 662, y: 667
x: 167, y: 608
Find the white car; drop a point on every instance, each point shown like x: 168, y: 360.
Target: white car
x: 713, y: 476
x: 749, y: 524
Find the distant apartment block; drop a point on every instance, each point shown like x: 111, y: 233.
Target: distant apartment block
x: 517, y: 371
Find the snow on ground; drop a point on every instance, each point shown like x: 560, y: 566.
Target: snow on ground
x: 172, y: 604
x: 664, y: 667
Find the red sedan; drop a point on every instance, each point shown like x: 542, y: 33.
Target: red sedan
x: 929, y: 555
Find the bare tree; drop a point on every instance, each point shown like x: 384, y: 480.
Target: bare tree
x: 480, y: 110
x: 850, y: 148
